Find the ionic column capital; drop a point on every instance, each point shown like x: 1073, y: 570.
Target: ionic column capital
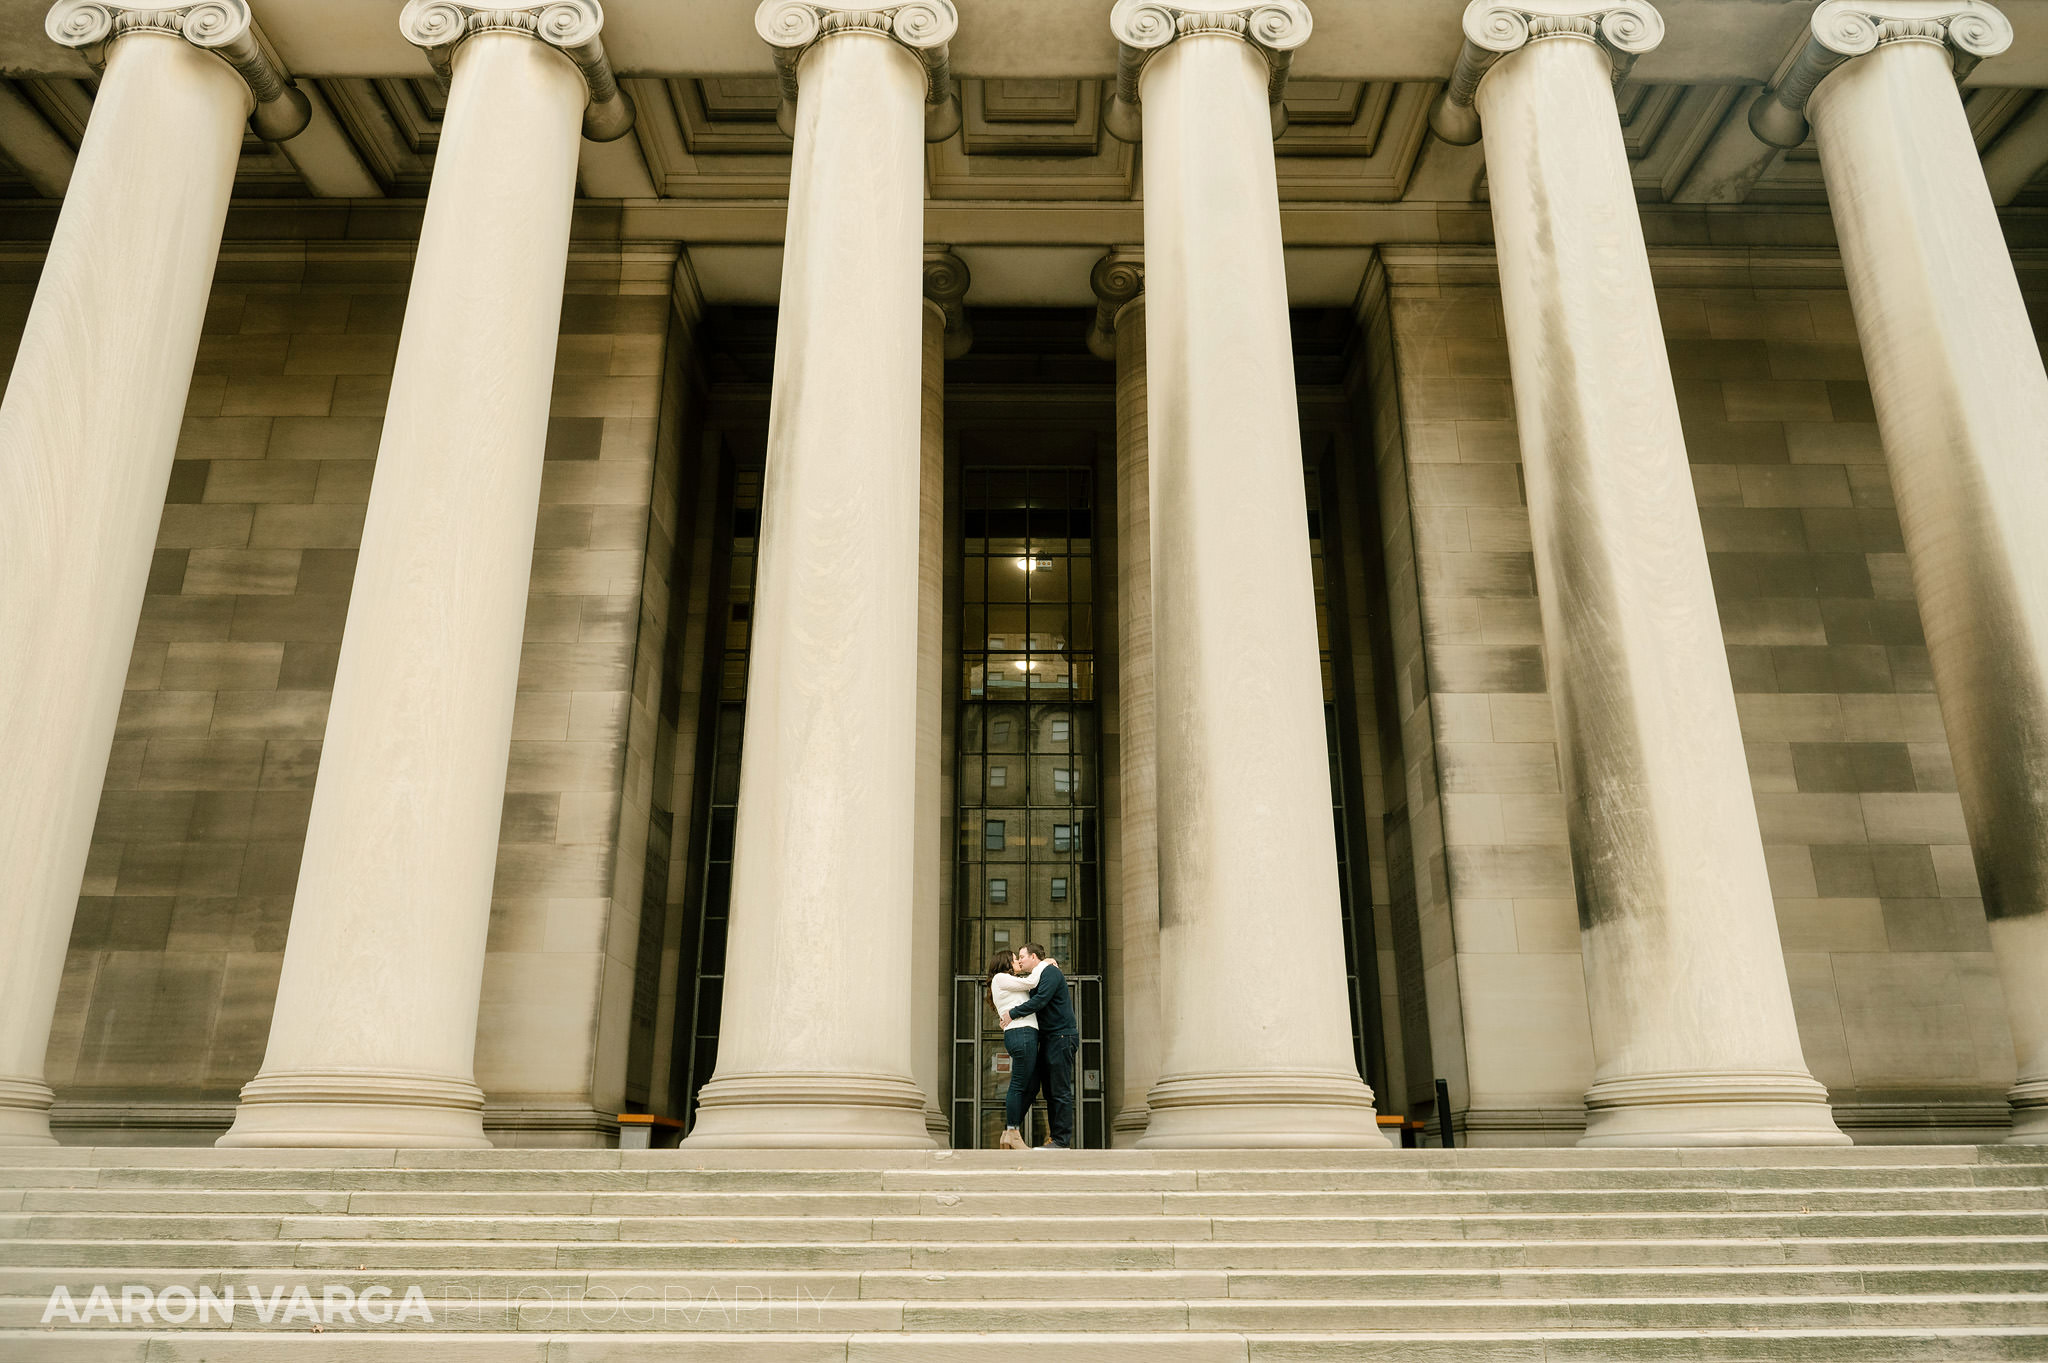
x: 1968, y: 30
x: 1624, y: 31
x: 923, y: 27
x: 225, y: 28
x: 946, y: 280
x: 1117, y: 279
x: 1274, y: 28
x: 571, y: 27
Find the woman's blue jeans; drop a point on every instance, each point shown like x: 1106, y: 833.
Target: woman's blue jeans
x: 1022, y: 1044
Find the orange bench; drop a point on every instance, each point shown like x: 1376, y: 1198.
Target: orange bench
x: 647, y: 1131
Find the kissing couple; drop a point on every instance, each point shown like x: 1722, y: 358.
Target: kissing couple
x: 1031, y: 1001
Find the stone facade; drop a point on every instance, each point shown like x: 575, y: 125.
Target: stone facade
x: 181, y: 924
x: 1899, y: 1004
x: 1641, y: 425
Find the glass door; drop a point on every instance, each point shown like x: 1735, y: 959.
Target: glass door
x: 1027, y: 861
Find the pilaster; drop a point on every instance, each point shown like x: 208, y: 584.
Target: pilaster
x: 946, y: 281
x: 1118, y: 333
x: 947, y: 335
x: 1116, y: 279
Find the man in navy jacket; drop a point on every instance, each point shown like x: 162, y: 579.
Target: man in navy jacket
x: 1059, y: 1039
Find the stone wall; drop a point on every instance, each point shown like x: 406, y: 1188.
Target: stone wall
x: 187, y: 898
x: 558, y: 987
x: 1899, y: 1007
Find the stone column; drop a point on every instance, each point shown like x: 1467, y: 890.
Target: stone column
x: 1119, y: 335
x: 1256, y: 1031
x: 1693, y: 1034
x: 374, y: 1036
x: 1962, y: 402
x: 946, y: 334
x: 87, y: 433
x: 823, y: 858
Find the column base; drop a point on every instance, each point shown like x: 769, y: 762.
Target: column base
x: 1129, y: 1126
x: 1261, y: 1110
x: 828, y: 1110
x: 936, y: 1126
x: 1713, y: 1107
x: 25, y: 1112
x: 2029, y: 1099
x: 359, y: 1108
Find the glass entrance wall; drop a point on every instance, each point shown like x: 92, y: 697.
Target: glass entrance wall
x: 1028, y: 856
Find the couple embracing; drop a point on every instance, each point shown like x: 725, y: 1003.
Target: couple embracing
x: 1039, y: 1031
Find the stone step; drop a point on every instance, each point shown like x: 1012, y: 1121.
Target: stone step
x: 1860, y: 1345
x: 804, y: 1312
x: 228, y: 1255
x: 1577, y: 1253
x: 1752, y: 1157
x: 964, y: 1227
x: 1019, y: 1180
x: 244, y: 1202
x: 1919, y: 1253
x: 1072, y: 1283
x: 1746, y: 1346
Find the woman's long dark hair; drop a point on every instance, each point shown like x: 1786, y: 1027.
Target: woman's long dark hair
x: 1002, y: 963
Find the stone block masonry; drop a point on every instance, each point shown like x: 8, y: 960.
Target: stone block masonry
x: 1898, y: 1002
x: 181, y: 924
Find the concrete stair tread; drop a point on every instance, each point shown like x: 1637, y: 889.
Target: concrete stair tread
x: 1639, y: 1346
x: 1483, y: 1158
x: 2033, y: 1193
x: 800, y: 1315
x: 1918, y: 1254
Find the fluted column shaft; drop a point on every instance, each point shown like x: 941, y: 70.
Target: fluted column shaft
x: 932, y: 993
x: 374, y: 1035
x: 1962, y: 404
x: 1693, y: 1032
x: 822, y: 863
x: 1256, y: 1030
x: 88, y: 429
x: 1137, y: 775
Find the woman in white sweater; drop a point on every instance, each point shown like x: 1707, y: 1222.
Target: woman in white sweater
x: 1020, y: 1039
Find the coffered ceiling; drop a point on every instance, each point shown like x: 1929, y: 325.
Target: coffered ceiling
x: 1032, y: 188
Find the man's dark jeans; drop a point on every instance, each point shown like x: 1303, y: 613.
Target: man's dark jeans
x: 1056, y: 1056
x: 1022, y: 1044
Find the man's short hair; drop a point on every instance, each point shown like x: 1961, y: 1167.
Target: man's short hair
x: 1035, y: 949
